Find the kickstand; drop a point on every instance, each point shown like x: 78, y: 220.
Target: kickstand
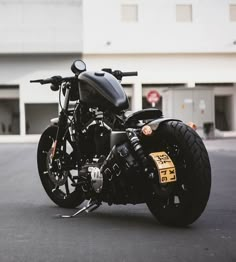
x: 93, y: 204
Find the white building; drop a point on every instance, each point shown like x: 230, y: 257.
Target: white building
x: 184, y: 49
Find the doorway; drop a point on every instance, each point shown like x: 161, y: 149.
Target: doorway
x: 223, y: 112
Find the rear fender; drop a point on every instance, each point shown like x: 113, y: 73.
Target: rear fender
x: 156, y: 123
x: 148, y: 114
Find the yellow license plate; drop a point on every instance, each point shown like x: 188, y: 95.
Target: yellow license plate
x: 165, y: 166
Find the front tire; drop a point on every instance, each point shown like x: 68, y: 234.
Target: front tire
x: 189, y: 195
x: 56, y: 185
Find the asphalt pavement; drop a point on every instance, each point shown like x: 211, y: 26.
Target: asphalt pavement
x: 30, y: 231
x: 223, y: 145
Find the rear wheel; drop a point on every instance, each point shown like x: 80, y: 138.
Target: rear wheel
x: 57, y: 182
x: 185, y: 199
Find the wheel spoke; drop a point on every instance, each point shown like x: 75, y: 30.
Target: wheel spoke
x: 59, y: 191
x: 71, y: 177
x: 67, y: 188
x: 54, y: 189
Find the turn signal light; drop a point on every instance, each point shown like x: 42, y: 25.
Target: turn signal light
x: 147, y: 130
x: 192, y: 125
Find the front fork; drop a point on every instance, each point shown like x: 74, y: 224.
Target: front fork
x: 62, y: 123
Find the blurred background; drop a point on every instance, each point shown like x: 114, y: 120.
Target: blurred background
x: 184, y: 51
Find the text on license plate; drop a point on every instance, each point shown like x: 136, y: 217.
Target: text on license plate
x: 165, y: 166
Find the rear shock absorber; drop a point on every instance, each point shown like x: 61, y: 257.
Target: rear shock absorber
x: 137, y: 147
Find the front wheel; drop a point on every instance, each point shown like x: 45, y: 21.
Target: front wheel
x: 57, y: 183
x: 190, y: 193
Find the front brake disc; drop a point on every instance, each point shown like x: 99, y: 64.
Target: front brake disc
x: 58, y: 177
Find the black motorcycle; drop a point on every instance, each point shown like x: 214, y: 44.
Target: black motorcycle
x: 99, y: 152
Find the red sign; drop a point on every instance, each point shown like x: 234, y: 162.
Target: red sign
x: 153, y: 97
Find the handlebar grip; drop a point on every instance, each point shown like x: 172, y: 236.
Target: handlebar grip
x: 135, y: 73
x: 53, y: 79
x: 36, y: 81
x: 46, y: 81
x: 42, y: 81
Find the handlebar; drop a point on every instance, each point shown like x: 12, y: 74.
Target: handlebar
x: 135, y: 73
x: 119, y: 74
x: 55, y: 80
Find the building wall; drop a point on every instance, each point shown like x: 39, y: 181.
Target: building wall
x: 40, y: 26
x: 156, y: 29
x: 20, y: 69
x: 170, y: 68
x: 41, y: 38
x: 164, y: 50
x: 189, y: 70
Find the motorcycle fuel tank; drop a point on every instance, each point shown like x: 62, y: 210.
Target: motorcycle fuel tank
x: 103, y: 90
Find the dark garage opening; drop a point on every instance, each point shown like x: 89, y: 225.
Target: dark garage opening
x: 9, y: 117
x: 37, y: 117
x: 223, y: 113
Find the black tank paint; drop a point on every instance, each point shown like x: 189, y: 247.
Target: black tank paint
x: 103, y: 90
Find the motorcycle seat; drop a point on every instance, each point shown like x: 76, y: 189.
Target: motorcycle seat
x: 142, y: 115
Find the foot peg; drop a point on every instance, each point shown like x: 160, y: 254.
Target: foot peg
x: 91, y: 206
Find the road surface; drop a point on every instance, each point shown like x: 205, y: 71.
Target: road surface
x: 29, y: 230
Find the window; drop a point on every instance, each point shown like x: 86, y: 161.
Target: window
x: 9, y: 117
x: 129, y: 13
x: 183, y: 13
x: 232, y: 13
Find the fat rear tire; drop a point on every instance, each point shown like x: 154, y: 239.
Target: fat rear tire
x: 193, y: 171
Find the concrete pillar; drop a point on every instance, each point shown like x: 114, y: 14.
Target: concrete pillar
x: 137, y: 95
x: 22, y: 117
x: 234, y: 109
x: 191, y: 84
